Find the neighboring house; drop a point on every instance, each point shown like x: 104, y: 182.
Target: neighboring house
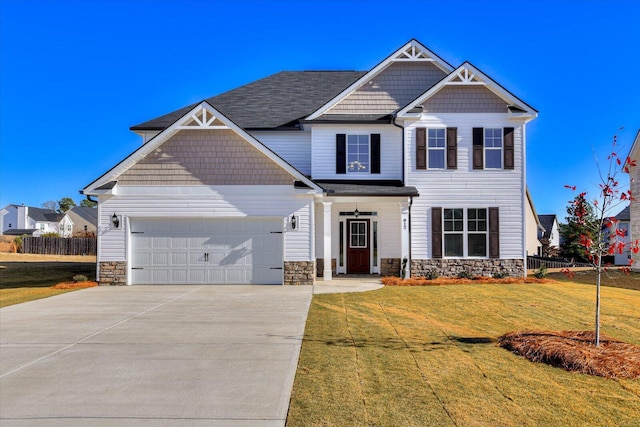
x: 413, y: 166
x: 623, y: 224
x: 551, y: 230
x: 634, y: 206
x: 18, y: 220
x: 534, y: 228
x: 85, y: 219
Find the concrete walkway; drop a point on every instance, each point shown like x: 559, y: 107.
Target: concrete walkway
x: 347, y: 284
x: 152, y: 356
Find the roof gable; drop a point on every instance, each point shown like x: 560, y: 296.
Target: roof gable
x: 203, y: 116
x: 469, y: 76
x: 413, y: 51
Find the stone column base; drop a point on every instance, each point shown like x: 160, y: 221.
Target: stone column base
x: 113, y: 273
x: 299, y: 272
x: 390, y: 267
x: 320, y: 267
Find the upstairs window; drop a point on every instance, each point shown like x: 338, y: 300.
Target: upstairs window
x: 493, y: 148
x: 436, y: 146
x: 358, y: 154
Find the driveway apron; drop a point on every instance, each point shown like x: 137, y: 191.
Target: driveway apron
x: 152, y: 355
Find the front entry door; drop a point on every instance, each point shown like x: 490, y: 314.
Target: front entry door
x: 358, y: 246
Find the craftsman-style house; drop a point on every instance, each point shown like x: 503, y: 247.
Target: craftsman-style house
x: 411, y: 167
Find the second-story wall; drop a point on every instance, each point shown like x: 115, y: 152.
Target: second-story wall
x: 292, y: 146
x: 323, y: 151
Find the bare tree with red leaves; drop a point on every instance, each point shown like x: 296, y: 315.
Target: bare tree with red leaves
x: 600, y: 234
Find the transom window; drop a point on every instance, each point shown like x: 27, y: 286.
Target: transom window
x: 465, y: 232
x: 493, y: 148
x: 436, y: 146
x: 358, y: 154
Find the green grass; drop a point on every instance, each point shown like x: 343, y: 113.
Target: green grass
x: 26, y: 281
x: 614, y: 278
x: 421, y: 356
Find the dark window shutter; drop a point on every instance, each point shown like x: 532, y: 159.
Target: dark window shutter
x: 421, y: 148
x: 341, y: 153
x: 494, y: 233
x: 375, y: 153
x: 452, y: 148
x: 436, y: 232
x: 508, y: 148
x: 478, y: 144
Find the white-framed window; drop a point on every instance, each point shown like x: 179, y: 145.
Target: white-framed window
x: 41, y: 226
x: 477, y: 232
x: 358, y: 154
x: 493, y: 148
x: 436, y: 145
x: 465, y: 232
x: 358, y: 234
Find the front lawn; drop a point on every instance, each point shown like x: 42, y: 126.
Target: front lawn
x: 422, y: 356
x: 26, y: 281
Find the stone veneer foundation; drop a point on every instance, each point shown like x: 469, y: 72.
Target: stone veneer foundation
x: 113, y: 273
x: 320, y: 267
x: 475, y: 267
x: 390, y: 267
x: 299, y: 272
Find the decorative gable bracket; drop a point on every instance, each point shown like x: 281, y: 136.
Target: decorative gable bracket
x: 202, y: 119
x: 465, y: 77
x: 413, y: 53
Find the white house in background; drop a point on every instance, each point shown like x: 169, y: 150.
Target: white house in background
x: 623, y: 224
x: 634, y: 206
x: 412, y: 166
x: 18, y: 220
x: 550, y: 230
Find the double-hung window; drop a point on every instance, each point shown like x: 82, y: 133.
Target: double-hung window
x: 436, y: 146
x: 465, y: 232
x: 477, y: 232
x: 358, y: 154
x: 493, y: 148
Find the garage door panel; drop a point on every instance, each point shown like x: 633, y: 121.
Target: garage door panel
x: 207, y: 251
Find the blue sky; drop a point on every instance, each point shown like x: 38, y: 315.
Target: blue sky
x: 75, y: 75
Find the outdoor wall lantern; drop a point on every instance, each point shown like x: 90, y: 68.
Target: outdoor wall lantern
x: 356, y: 213
x: 294, y: 222
x: 115, y: 221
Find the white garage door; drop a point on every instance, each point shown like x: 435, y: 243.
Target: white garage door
x: 199, y: 251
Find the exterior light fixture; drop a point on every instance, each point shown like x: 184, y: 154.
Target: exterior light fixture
x: 115, y: 221
x: 294, y: 222
x: 356, y: 213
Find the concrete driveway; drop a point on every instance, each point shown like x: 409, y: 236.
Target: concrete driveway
x: 152, y: 356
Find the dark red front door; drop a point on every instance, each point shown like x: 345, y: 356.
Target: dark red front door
x: 358, y: 246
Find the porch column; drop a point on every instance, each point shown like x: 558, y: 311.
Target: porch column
x: 404, y: 237
x: 326, y: 247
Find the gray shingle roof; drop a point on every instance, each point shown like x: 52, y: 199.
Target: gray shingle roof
x: 547, y: 222
x: 272, y: 102
x: 366, y: 188
x: 38, y: 214
x: 624, y: 214
x: 87, y: 213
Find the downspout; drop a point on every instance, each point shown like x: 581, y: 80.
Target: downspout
x: 393, y: 122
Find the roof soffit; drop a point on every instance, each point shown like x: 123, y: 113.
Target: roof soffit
x: 413, y: 51
x: 468, y: 75
x: 202, y: 116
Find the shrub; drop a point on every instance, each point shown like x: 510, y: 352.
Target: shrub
x: 500, y: 275
x: 80, y: 278
x: 431, y: 274
x: 464, y: 274
x: 17, y: 244
x: 50, y: 234
x: 541, y: 273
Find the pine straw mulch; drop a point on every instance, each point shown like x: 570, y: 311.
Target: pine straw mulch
x: 74, y: 285
x: 575, y: 351
x: 440, y: 281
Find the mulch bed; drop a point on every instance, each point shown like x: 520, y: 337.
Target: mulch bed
x: 440, y: 281
x: 575, y: 351
x: 75, y: 285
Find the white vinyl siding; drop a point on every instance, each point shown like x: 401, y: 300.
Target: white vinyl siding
x: 323, y: 151
x: 464, y: 187
x: 292, y: 146
x: 233, y: 201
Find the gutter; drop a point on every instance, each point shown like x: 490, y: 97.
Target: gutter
x: 393, y: 122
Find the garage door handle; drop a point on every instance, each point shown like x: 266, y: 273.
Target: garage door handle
x: 137, y: 268
x: 276, y: 268
x: 206, y: 257
x: 276, y: 232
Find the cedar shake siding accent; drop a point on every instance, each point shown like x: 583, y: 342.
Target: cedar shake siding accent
x: 206, y: 157
x: 464, y: 99
x: 396, y: 86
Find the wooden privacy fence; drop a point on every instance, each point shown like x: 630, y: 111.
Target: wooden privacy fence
x: 59, y: 246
